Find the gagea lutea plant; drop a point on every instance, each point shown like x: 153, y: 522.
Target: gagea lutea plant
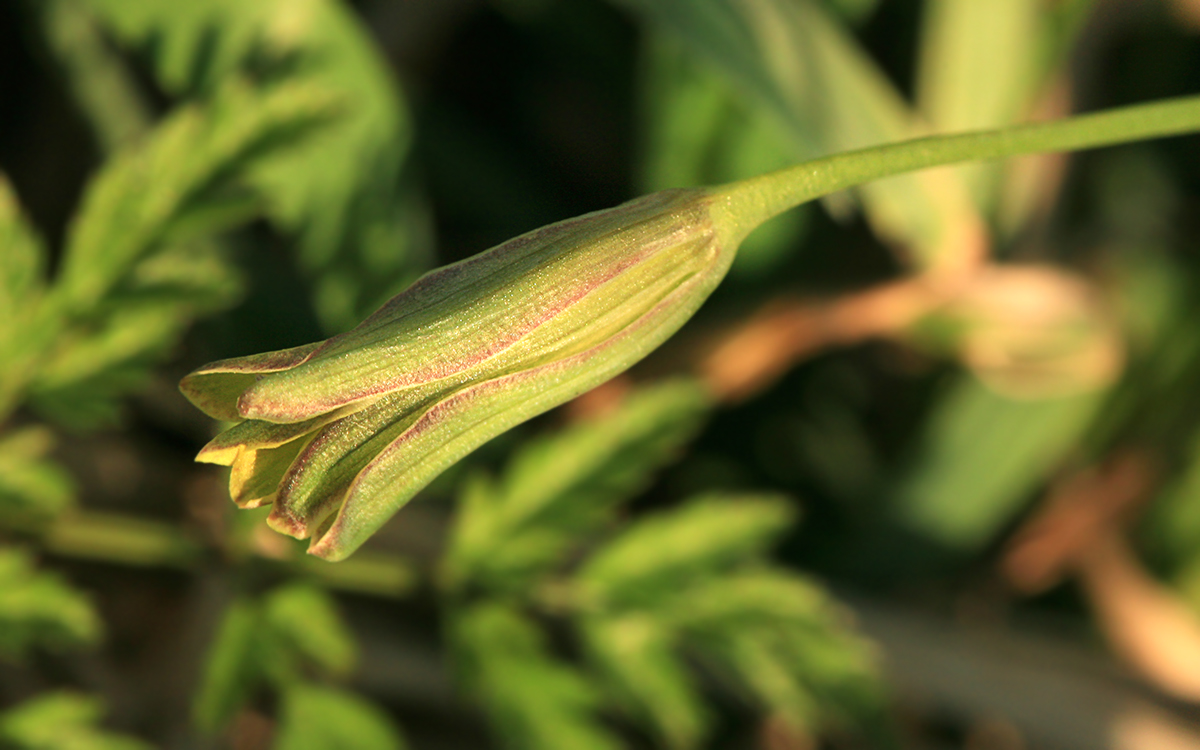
x: 338, y: 435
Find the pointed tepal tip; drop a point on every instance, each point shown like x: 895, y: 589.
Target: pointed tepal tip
x: 284, y: 522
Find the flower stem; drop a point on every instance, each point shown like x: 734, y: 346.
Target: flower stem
x: 746, y: 204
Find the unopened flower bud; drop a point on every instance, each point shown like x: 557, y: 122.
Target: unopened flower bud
x: 339, y: 434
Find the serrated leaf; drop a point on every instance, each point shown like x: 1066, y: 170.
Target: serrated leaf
x: 308, y: 619
x: 744, y: 597
x: 61, y: 721
x: 637, y: 656
x: 339, y: 190
x: 123, y: 296
x: 232, y: 667
x: 321, y: 718
x: 560, y: 487
x: 534, y: 701
x: 137, y: 195
x: 781, y: 638
x: 666, y: 550
x: 38, y: 609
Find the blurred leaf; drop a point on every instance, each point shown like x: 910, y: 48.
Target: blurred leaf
x: 340, y: 190
x: 308, y: 618
x: 562, y: 486
x: 637, y: 656
x: 39, y: 609
x: 663, y: 551
x: 854, y: 11
x: 981, y: 455
x: 693, y: 581
x: 101, y: 85
x: 976, y: 71
x: 699, y: 130
x: 1173, y: 520
x: 782, y: 639
x: 129, y: 205
x: 22, y: 270
x: 122, y: 298
x: 32, y: 489
x: 22, y: 262
x: 60, y: 721
x: 320, y: 718
x: 534, y: 701
x: 293, y: 630
x: 231, y: 668
x: 832, y: 97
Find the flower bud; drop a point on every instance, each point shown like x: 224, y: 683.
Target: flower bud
x: 339, y: 434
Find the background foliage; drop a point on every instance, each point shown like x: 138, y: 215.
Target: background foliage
x: 924, y: 472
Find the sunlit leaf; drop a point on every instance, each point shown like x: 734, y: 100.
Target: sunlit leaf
x: 560, y: 487
x: 976, y: 72
x: 321, y: 718
x: 535, y: 702
x: 661, y: 552
x: 340, y: 190
x: 61, y: 721
x: 308, y: 619
x: 637, y: 655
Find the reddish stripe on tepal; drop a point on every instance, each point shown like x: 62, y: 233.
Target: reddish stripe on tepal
x: 272, y: 402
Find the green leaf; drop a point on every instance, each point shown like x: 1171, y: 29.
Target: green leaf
x: 666, y: 550
x: 129, y: 205
x: 22, y: 259
x: 101, y: 84
x: 534, y: 701
x: 22, y: 271
x: 321, y: 718
x: 60, y: 721
x: 981, y: 456
x: 803, y: 66
x: 32, y: 488
x: 232, y: 668
x: 783, y: 640
x: 124, y: 294
x: 291, y: 631
x: 340, y: 189
x: 560, y: 487
x: 976, y: 71
x: 39, y: 609
x: 308, y: 620
x: 637, y: 656
x: 699, y: 130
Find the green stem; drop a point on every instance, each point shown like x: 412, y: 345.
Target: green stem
x: 746, y: 204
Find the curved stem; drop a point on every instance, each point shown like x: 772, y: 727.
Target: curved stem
x: 748, y: 203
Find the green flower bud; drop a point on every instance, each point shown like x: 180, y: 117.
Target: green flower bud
x: 338, y: 435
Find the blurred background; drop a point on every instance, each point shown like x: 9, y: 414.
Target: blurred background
x: 923, y: 473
